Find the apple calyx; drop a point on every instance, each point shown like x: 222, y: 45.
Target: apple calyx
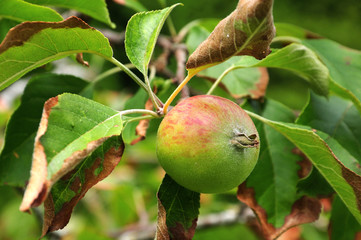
x: 242, y: 140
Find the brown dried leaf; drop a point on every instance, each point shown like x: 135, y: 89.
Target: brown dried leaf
x: 162, y: 229
x: 248, y: 30
x: 80, y: 59
x: 54, y: 220
x: 304, y: 210
x: 141, y: 129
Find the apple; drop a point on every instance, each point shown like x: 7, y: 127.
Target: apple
x: 207, y: 144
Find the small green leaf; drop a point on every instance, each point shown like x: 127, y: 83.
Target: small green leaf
x: 42, y: 42
x: 16, y: 156
x: 21, y: 11
x: 344, y: 65
x: 67, y: 192
x: 97, y: 9
x: 329, y: 162
x: 141, y: 36
x: 71, y: 128
x: 178, y: 210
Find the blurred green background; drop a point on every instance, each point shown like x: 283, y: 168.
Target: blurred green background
x: 126, y: 200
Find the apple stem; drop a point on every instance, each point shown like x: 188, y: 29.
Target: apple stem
x: 242, y: 140
x: 175, y: 93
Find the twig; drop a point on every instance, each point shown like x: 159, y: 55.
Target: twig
x: 181, y: 57
x: 228, y: 217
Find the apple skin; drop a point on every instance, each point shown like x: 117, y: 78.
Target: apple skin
x: 197, y: 144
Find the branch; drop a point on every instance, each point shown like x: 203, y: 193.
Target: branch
x: 227, y: 217
x: 181, y: 57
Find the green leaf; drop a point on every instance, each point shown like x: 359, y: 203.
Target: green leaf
x: 197, y: 31
x: 338, y: 118
x: 97, y: 9
x: 248, y: 30
x: 331, y: 165
x: 5, y: 26
x: 239, y: 82
x: 276, y: 166
x: 21, y: 11
x: 314, y: 185
x: 295, y: 58
x: 15, y: 158
x: 195, y: 37
x: 22, y: 51
x: 67, y: 192
x: 178, y: 210
x: 290, y: 30
x: 141, y: 36
x: 71, y: 128
x: 344, y: 65
x: 342, y: 224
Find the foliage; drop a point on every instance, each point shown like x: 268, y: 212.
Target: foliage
x: 64, y: 142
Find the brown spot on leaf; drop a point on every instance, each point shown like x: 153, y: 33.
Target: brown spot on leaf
x: 16, y: 155
x: 38, y: 186
x: 232, y: 36
x: 54, y: 221
x: 18, y: 35
x: 304, y: 210
x: 311, y: 35
x: 178, y: 232
x: 71, y: 162
x: 355, y: 182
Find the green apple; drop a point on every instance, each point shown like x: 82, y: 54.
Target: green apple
x: 207, y: 144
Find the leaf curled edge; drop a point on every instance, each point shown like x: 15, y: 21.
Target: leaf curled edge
x: 343, y: 179
x: 79, y: 181
x: 248, y: 30
x: 304, y: 210
x: 43, y: 174
x: 177, y: 211
x: 38, y: 185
